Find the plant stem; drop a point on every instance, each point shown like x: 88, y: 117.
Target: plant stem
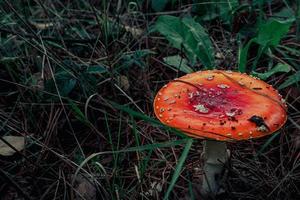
x: 215, y: 157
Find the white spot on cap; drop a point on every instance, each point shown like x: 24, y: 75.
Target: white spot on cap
x: 221, y: 116
x: 201, y: 108
x: 210, y: 77
x: 262, y: 128
x: 241, y: 83
x: 223, y: 86
x: 230, y: 114
x: 172, y: 102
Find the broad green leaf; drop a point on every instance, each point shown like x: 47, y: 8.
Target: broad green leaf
x: 64, y: 81
x: 278, y: 68
x: 218, y: 9
x: 179, y: 63
x: 285, y: 12
x: 269, y: 35
x: 295, y: 78
x: 172, y: 28
x: 271, y: 32
x: 187, y: 35
x: 65, y: 86
x: 159, y: 5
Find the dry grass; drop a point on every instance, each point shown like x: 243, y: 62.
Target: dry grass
x: 50, y: 95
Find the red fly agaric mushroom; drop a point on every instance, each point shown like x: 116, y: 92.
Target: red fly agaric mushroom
x: 219, y: 106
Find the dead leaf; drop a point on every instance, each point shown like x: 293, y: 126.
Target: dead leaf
x: 155, y: 189
x: 219, y: 55
x: 18, y: 142
x: 135, y: 32
x: 37, y: 81
x: 43, y: 25
x: 123, y: 82
x: 85, y: 189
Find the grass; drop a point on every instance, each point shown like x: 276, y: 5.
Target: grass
x: 78, y: 78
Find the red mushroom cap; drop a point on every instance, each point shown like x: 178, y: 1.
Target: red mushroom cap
x: 220, y: 105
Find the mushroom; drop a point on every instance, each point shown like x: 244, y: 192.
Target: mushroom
x: 219, y: 106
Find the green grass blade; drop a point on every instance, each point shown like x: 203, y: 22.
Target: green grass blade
x: 267, y: 143
x: 134, y: 149
x: 292, y: 79
x: 146, y: 118
x: 243, y: 53
x: 179, y: 167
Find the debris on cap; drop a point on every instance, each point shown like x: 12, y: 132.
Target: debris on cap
x: 221, y: 105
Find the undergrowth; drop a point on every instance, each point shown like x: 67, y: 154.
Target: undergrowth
x: 78, y: 78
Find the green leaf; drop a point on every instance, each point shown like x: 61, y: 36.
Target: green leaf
x: 159, y: 5
x: 179, y: 63
x: 269, y: 35
x: 77, y: 112
x: 291, y: 80
x: 179, y: 167
x: 65, y: 86
x: 171, y: 28
x: 285, y: 12
x: 64, y: 81
x: 271, y: 32
x: 96, y: 69
x: 219, y: 9
x: 135, y: 58
x: 187, y: 35
x: 243, y: 53
x: 280, y: 67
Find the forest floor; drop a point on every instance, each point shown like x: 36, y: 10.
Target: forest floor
x: 78, y: 80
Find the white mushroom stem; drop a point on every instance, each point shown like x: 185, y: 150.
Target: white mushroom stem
x: 215, y: 156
